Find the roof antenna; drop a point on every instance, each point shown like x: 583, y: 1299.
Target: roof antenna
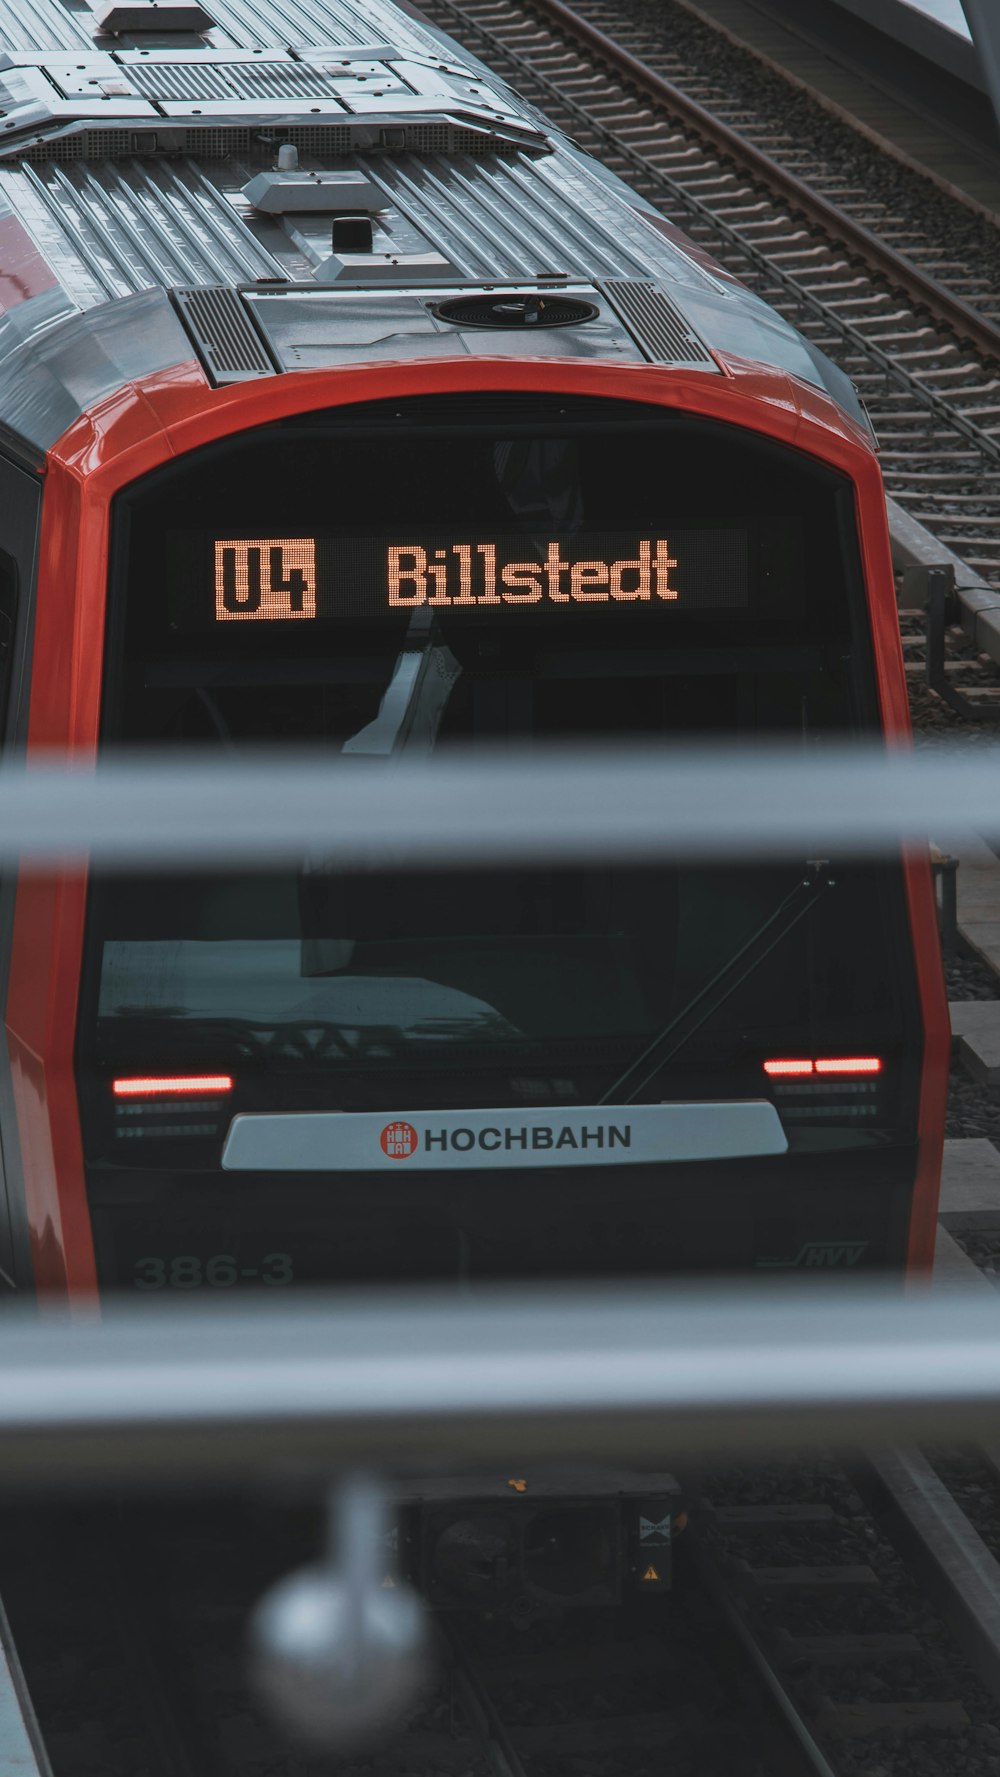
x: 288, y: 158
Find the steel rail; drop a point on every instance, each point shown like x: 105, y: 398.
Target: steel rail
x: 964, y: 320
x: 792, y: 1733
x: 408, y: 1384
x: 659, y: 182
x: 22, y: 1748
x: 941, y: 1546
x: 790, y: 1747
x: 488, y: 1726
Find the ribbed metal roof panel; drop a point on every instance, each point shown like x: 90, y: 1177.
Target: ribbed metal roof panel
x: 114, y: 228
x: 44, y: 24
x: 213, y: 80
x: 121, y: 227
x: 135, y: 188
x: 519, y: 217
x: 251, y: 24
x: 240, y: 24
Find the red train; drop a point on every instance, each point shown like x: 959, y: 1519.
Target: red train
x: 342, y: 403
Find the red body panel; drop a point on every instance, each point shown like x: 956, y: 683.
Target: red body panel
x: 143, y: 426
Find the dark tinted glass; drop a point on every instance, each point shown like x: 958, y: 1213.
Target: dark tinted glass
x: 375, y: 592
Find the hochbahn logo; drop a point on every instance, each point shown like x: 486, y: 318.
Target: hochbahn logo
x: 399, y: 1140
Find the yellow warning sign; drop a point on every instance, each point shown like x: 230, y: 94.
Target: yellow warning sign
x: 651, y: 1573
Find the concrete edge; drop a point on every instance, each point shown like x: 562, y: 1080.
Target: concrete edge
x: 976, y: 1038
x: 931, y: 38
x: 915, y: 546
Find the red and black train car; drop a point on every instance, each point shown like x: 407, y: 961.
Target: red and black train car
x: 343, y: 404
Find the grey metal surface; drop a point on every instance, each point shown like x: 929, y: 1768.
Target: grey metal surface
x: 48, y: 24
x: 314, y: 330
x: 484, y: 808
x: 49, y: 379
x: 114, y: 230
x: 159, y: 16
x: 288, y: 191
x: 137, y: 225
x: 132, y: 169
x: 251, y: 22
x: 48, y: 99
x: 447, y: 1382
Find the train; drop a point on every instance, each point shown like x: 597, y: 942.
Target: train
x: 345, y: 402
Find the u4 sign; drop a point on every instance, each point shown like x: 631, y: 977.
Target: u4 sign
x: 559, y: 1135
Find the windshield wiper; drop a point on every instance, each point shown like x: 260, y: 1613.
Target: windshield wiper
x: 802, y: 900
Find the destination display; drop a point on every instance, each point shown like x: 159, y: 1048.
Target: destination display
x: 305, y: 579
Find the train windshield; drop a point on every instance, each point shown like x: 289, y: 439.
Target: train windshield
x: 406, y: 579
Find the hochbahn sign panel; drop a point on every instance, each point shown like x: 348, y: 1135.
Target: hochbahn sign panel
x: 558, y: 1135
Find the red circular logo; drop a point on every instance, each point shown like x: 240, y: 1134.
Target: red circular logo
x: 399, y: 1141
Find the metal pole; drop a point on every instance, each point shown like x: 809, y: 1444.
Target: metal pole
x: 488, y: 807
x: 437, y: 1383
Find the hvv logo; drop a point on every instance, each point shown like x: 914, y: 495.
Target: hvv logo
x: 819, y: 1253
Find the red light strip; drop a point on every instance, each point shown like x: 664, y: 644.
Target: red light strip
x: 163, y: 1085
x: 840, y: 1064
x: 850, y: 1064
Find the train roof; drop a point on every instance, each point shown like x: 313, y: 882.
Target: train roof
x: 177, y: 181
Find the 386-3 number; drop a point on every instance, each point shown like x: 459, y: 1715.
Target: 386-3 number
x: 221, y: 1272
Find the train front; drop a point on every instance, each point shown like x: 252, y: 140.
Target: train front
x: 508, y: 466
x: 307, y: 1076
x: 235, y: 1082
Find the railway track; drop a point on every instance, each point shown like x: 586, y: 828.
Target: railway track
x: 860, y: 1586
x: 693, y: 1688
x: 798, y: 1643
x: 143, y: 1670
x: 919, y: 339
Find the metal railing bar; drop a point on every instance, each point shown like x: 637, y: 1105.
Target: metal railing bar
x: 488, y: 807
x: 230, y: 1394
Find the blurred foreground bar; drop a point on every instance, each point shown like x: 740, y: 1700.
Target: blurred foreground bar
x: 431, y: 1382
x: 485, y: 807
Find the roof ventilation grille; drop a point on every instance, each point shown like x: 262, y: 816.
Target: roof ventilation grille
x: 200, y: 83
x: 655, y: 324
x: 225, y: 337
x: 516, y: 308
x: 153, y: 15
x: 217, y: 139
